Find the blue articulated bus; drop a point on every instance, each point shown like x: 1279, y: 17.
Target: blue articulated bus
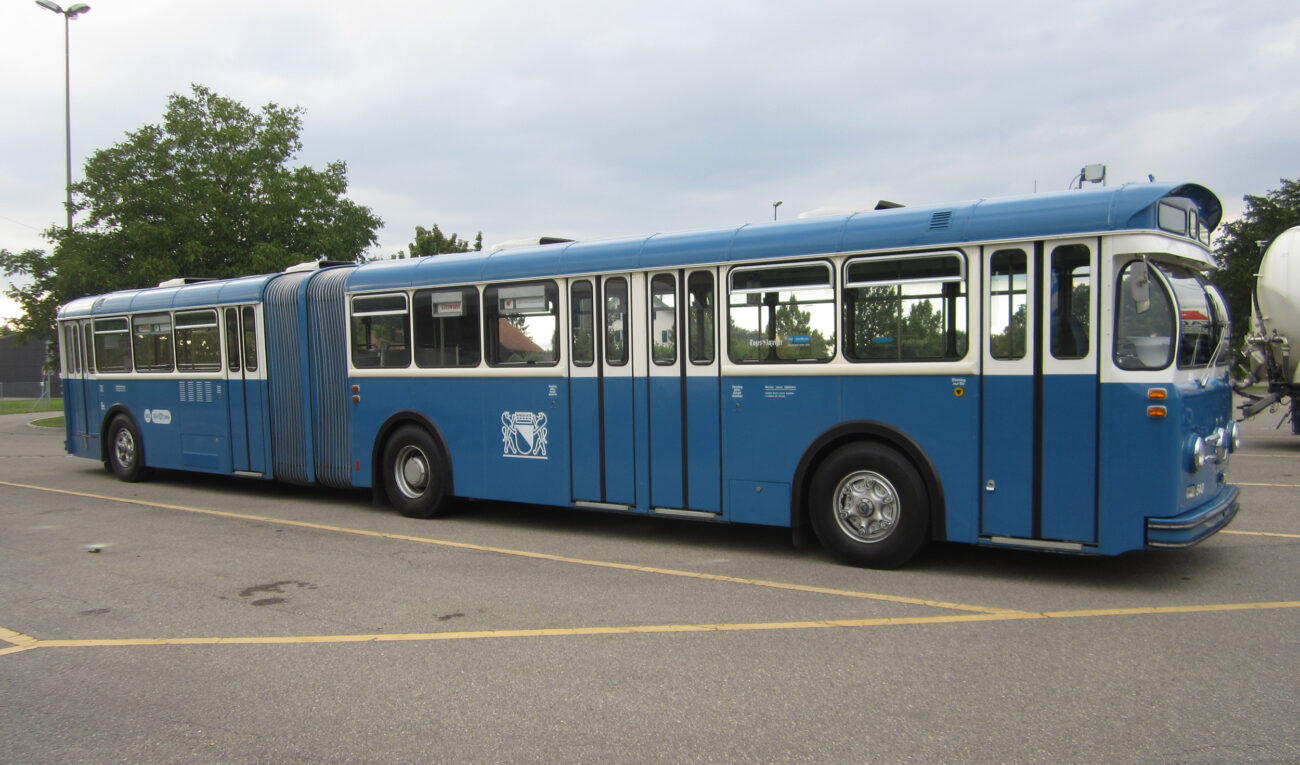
x: 1047, y: 372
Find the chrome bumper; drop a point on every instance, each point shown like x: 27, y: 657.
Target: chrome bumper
x: 1189, y: 528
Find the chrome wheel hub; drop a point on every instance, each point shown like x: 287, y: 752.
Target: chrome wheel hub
x: 411, y: 471
x: 866, y: 506
x: 124, y: 448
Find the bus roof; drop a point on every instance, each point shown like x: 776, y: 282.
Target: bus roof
x: 246, y: 289
x: 1127, y: 207
x: 1131, y: 206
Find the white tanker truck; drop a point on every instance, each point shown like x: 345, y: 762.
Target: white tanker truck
x: 1273, y: 348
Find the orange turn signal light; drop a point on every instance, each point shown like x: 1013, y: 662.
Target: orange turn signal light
x: 1157, y: 411
x: 1157, y: 394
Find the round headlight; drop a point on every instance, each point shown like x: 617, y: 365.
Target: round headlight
x: 1234, y: 436
x: 1198, y: 453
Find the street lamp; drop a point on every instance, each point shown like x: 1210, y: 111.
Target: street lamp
x: 71, y: 13
x: 774, y: 206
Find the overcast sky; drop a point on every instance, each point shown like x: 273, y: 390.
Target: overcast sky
x: 592, y: 119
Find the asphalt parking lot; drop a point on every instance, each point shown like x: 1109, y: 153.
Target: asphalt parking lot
x: 202, y: 619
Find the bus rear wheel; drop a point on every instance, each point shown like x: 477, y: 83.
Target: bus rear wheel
x: 125, y: 450
x: 869, y: 506
x: 415, y: 473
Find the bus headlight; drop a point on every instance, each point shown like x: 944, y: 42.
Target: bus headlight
x: 1199, y: 453
x: 1234, y: 436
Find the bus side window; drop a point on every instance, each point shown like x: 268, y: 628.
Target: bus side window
x: 522, y: 323
x: 1008, y: 304
x: 198, y: 342
x: 783, y: 313
x: 380, y: 331
x: 582, y: 309
x: 446, y: 328
x: 663, y: 319
x: 152, y: 342
x: 232, y: 339
x: 1071, y: 299
x: 616, y: 321
x: 700, y: 317
x: 909, y: 308
x: 249, y: 324
x: 112, y: 345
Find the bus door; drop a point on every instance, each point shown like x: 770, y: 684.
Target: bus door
x: 245, y: 391
x: 1040, y: 394
x: 683, y: 392
x: 602, y: 392
x: 79, y: 391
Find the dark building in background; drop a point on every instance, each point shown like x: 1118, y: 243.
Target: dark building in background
x: 22, y: 368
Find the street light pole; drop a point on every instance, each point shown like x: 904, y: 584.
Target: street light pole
x: 774, y: 206
x: 71, y: 13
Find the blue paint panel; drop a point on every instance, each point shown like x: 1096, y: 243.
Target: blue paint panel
x: 584, y: 446
x: 1141, y: 478
x: 765, y: 503
x: 620, y: 441
x: 1008, y: 446
x: 259, y: 425
x: 1070, y: 457
x: 704, y: 444
x: 768, y: 423
x: 468, y: 415
x: 238, y: 425
x: 1149, y: 477
x: 666, y: 442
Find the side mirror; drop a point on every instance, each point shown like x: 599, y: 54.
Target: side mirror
x: 1140, y: 285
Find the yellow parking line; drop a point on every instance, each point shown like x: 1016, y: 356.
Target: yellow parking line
x: 1269, y: 485
x: 647, y: 629
x: 534, y: 555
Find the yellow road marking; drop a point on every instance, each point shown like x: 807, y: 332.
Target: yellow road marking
x: 1261, y: 534
x: 646, y: 629
x: 530, y: 554
x: 1269, y: 485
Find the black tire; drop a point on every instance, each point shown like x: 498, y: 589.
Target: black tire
x: 869, y: 506
x: 415, y: 473
x: 124, y: 450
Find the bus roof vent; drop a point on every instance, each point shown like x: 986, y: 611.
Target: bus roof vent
x: 313, y: 265
x: 184, y: 280
x: 534, y: 241
x: 940, y: 220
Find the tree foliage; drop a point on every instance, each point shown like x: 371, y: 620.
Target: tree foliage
x: 434, y: 242
x: 1239, y: 249
x: 209, y: 192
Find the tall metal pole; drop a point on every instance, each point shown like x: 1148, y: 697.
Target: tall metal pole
x: 72, y: 12
x: 67, y: 111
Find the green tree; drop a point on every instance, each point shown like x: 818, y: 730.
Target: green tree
x: 1238, y: 249
x: 209, y: 192
x: 434, y: 242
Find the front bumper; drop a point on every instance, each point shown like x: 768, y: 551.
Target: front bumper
x: 1195, y: 525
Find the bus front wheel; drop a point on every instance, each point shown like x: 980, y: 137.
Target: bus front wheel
x: 125, y: 450
x: 415, y: 473
x: 870, y: 506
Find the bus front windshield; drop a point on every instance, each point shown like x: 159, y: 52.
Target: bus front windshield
x: 1173, y: 316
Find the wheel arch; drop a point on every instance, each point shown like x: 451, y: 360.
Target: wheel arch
x: 395, y: 421
x: 861, y: 431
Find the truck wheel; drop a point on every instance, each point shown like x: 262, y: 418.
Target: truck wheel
x: 415, y: 473
x: 869, y: 506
